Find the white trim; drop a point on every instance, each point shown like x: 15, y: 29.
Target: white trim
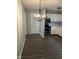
x: 22, y: 47
x: 19, y: 57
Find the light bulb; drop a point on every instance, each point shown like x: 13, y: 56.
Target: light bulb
x: 35, y: 15
x: 38, y: 16
x: 43, y: 16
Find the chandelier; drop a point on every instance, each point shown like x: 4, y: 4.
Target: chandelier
x: 39, y: 16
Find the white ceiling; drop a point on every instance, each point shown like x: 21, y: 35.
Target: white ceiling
x: 50, y: 4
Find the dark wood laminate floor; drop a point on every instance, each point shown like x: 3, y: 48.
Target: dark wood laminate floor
x: 36, y: 47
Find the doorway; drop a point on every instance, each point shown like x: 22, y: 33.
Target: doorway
x: 47, y: 30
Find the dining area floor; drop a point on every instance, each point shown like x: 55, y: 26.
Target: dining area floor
x: 49, y: 47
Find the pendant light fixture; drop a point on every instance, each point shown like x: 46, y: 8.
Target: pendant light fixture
x: 40, y: 16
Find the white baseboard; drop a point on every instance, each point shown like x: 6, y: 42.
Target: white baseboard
x: 19, y: 57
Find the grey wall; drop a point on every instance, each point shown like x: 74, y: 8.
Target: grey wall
x: 29, y: 19
x: 28, y: 22
x: 20, y: 28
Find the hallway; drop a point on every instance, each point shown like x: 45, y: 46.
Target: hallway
x: 36, y: 47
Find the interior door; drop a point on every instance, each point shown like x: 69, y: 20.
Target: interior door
x: 34, y: 25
